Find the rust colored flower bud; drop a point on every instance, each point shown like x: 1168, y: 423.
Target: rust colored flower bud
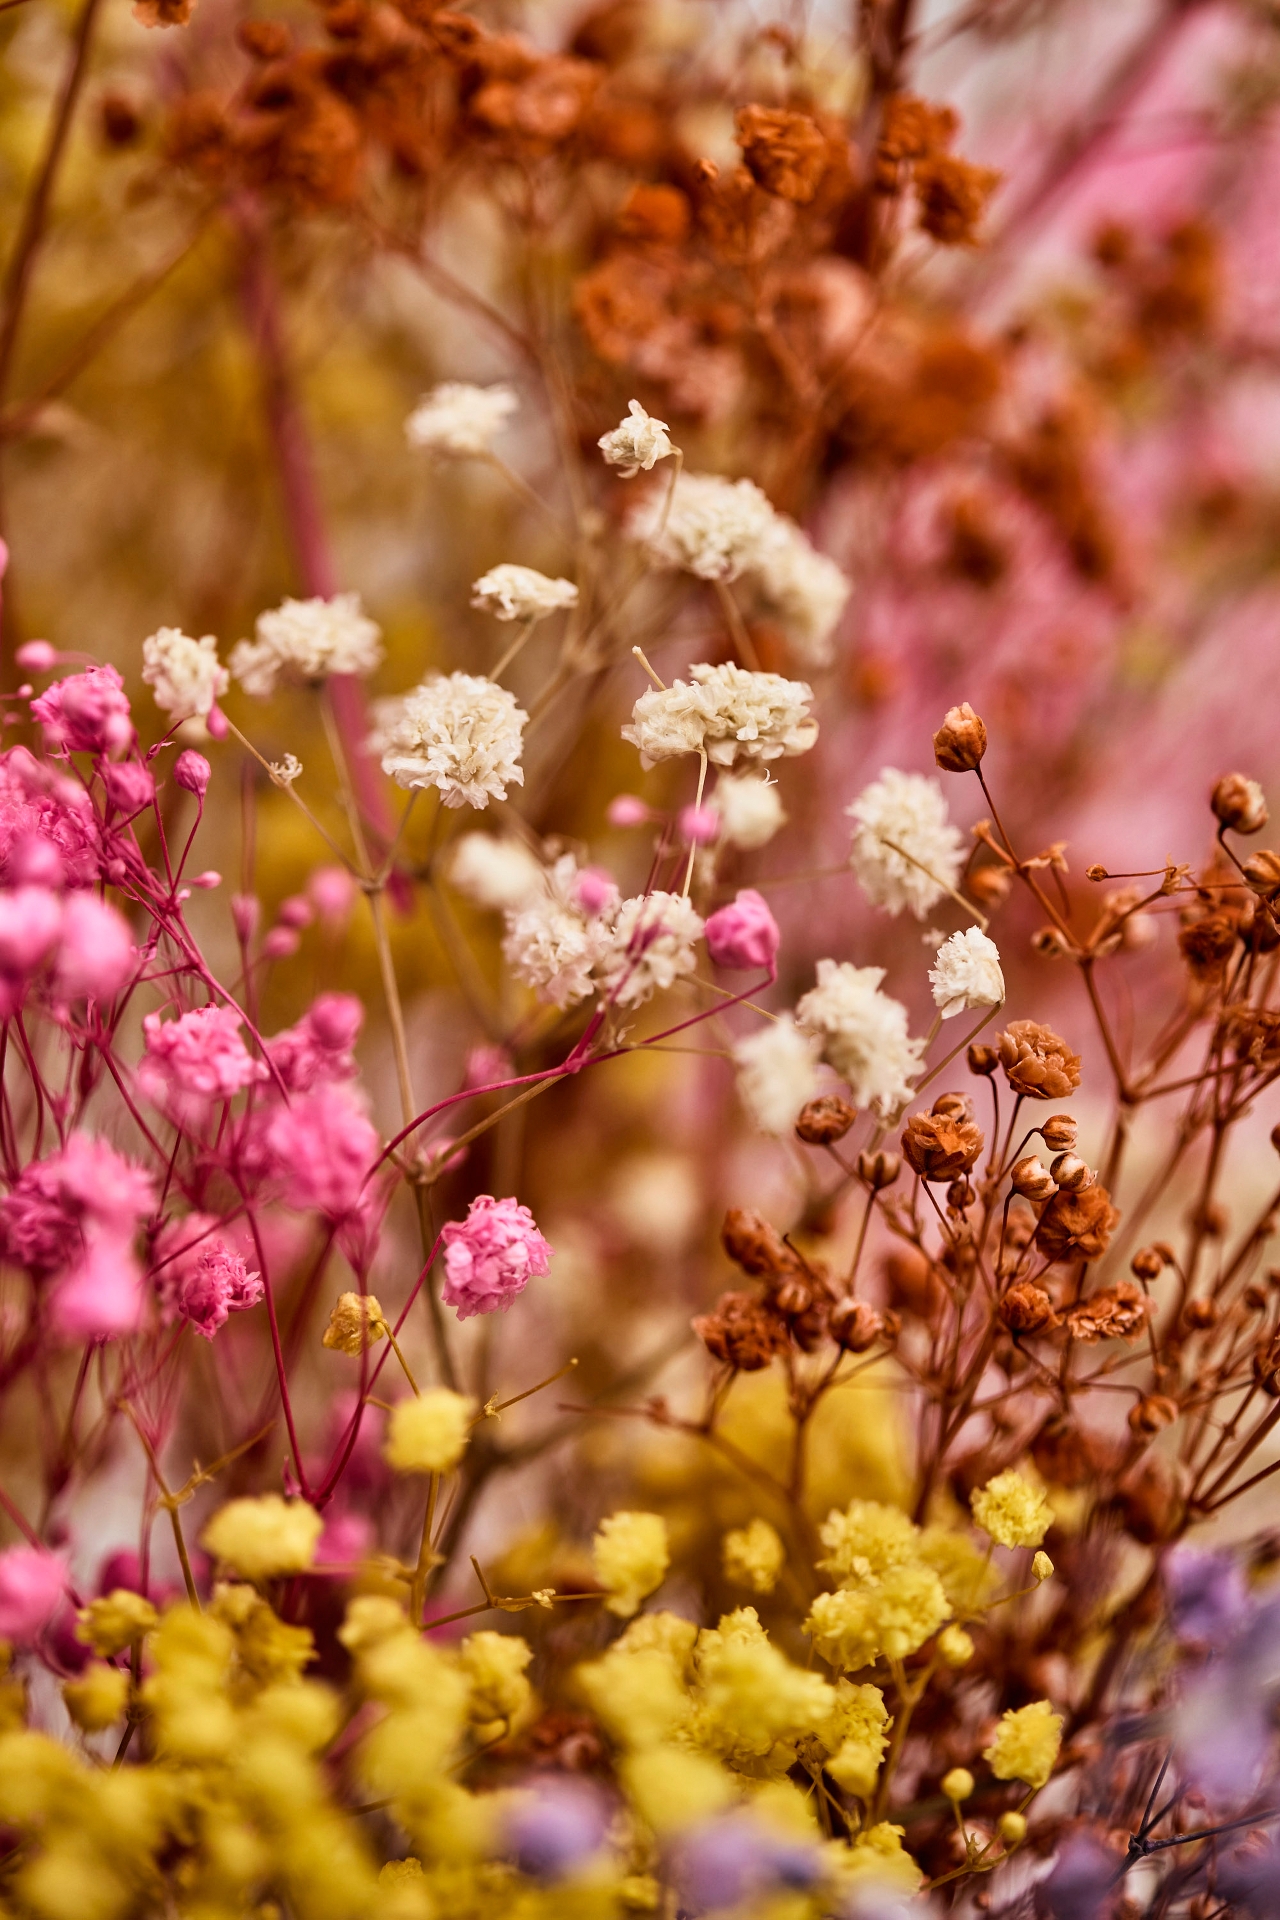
x: 856, y: 1325
x: 1239, y: 803
x: 982, y: 1059
x: 742, y: 1332
x: 960, y: 1194
x: 957, y: 1106
x: 1255, y: 1299
x: 961, y: 740
x: 989, y: 886
x: 1037, y: 1062
x: 1027, y: 1309
x: 792, y: 1298
x: 1077, y: 1226
x: 879, y: 1169
x: 1153, y: 1412
x: 1200, y: 1314
x: 1032, y: 1179
x: 1207, y: 944
x: 1262, y: 871
x: 825, y: 1119
x: 1113, y: 1313
x: 940, y: 1148
x: 755, y: 1245
x: 1072, y: 1173
x: 1064, y: 1453
x: 1096, y: 873
x: 810, y: 1329
x: 1049, y: 942
x: 1059, y: 1132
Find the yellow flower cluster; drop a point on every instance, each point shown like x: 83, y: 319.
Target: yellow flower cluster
x: 428, y: 1434
x: 630, y: 1556
x: 1012, y: 1511
x: 1026, y: 1744
x: 890, y: 1600
x: 753, y: 1556
x: 265, y: 1537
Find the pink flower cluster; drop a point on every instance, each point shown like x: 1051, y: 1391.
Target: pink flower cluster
x: 198, y: 1277
x: 196, y: 1059
x: 73, y: 1217
x: 80, y: 945
x: 86, y: 713
x: 491, y: 1256
x: 744, y: 934
x: 319, y: 1047
x: 32, y: 1584
x: 48, y: 829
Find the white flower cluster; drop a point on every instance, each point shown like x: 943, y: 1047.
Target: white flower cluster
x: 496, y: 872
x: 458, y: 732
x: 185, y: 675
x: 966, y: 974
x: 628, y: 949
x: 863, y: 1033
x: 460, y: 419
x: 651, y: 946
x: 750, y: 809
x: 510, y: 592
x: 777, y: 1074
x: 727, y: 530
x: 307, y: 640
x: 905, y: 850
x: 637, y: 444
x: 728, y: 712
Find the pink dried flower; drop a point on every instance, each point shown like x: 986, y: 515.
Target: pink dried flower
x: 39, y: 1226
x: 334, y: 892
x: 102, y: 1296
x: 324, y: 1147
x: 97, y: 954
x: 32, y: 1583
x: 319, y: 1047
x: 198, y: 1277
x: 744, y: 934
x: 280, y: 943
x: 108, y: 1190
x: 487, y: 1066
x: 699, y: 826
x: 296, y: 911
x: 37, y: 656
x: 594, y: 890
x: 491, y: 1256
x: 192, y: 771
x: 86, y: 713
x: 129, y: 786
x: 627, y: 810
x: 45, y: 811
x: 30, y: 922
x: 200, y: 1056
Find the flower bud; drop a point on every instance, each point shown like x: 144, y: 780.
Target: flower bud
x: 245, y: 913
x: 955, y: 1646
x: 961, y: 740
x: 960, y: 1195
x: 826, y: 1119
x: 879, y: 1169
x: 1152, y: 1412
x: 983, y: 1059
x: 37, y: 656
x: 1059, y: 1133
x: 280, y: 943
x: 208, y: 879
x: 856, y: 1325
x: 627, y: 810
x: 1262, y: 871
x: 959, y: 1783
x: 1072, y: 1173
x: 1048, y: 942
x: 958, y: 1106
x: 296, y: 911
x: 1042, y: 1566
x: 1032, y: 1179
x: 192, y: 771
x: 1013, y: 1828
x: 1147, y: 1264
x: 1239, y: 803
x: 792, y: 1298
x: 1200, y: 1314
x: 699, y: 826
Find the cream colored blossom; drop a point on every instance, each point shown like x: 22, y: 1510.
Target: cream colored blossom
x: 496, y: 871
x: 727, y: 712
x: 306, y: 640
x: 185, y: 675
x: 630, y: 1556
x: 429, y: 1433
x: 750, y: 809
x: 966, y: 974
x: 865, y: 1539
x: 777, y: 1069
x: 510, y: 592
x: 637, y: 444
x: 863, y: 1033
x: 554, y: 948
x: 458, y: 418
x: 457, y: 732
x: 924, y: 859
x: 714, y: 528
x: 651, y: 945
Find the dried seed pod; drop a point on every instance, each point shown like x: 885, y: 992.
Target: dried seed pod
x: 793, y: 1297
x: 961, y: 740
x: 982, y: 1059
x: 940, y: 1148
x: 1113, y: 1313
x: 742, y: 1332
x: 1077, y: 1225
x: 1032, y: 1179
x: 1059, y: 1132
x: 825, y: 1119
x: 1064, y: 1453
x: 1201, y: 1313
x: 1072, y: 1173
x: 1049, y: 942
x: 913, y: 1283
x: 856, y: 1325
x: 755, y: 1245
x: 960, y: 1194
x: 1152, y: 1413
x: 879, y: 1169
x: 1027, y: 1309
x: 810, y: 1329
x: 1037, y: 1062
x: 1148, y: 1263
x: 1239, y: 803
x: 1207, y: 944
x: 957, y: 1106
x: 1262, y: 871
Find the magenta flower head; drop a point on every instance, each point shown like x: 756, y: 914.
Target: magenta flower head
x: 491, y: 1256
x: 31, y: 1588
x: 96, y: 954
x: 129, y: 786
x: 594, y: 890
x: 744, y: 934
x: 192, y: 771
x: 86, y: 713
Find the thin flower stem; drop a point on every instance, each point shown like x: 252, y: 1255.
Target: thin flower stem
x: 693, y: 845
x: 287, y: 786
x: 496, y: 673
x: 744, y: 645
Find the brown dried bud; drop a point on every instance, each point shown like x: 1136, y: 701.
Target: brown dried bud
x: 357, y: 1322
x: 961, y: 741
x: 1266, y: 1366
x: 1255, y: 1298
x: 1064, y: 1453
x: 810, y: 1329
x: 856, y: 1325
x: 960, y: 1194
x: 940, y: 1148
x: 119, y: 120
x: 1239, y: 803
x: 1059, y: 1132
x: 1077, y: 1225
x: 1037, y: 1062
x: 755, y: 1245
x: 1096, y: 873
x: 742, y: 1332
x: 1153, y: 1412
x: 912, y: 1282
x: 957, y: 1106
x: 1072, y: 1173
x: 989, y: 885
x: 982, y: 1059
x: 1113, y: 1313
x: 1200, y: 1314
x: 1206, y: 944
x: 1049, y: 942
x: 879, y: 1169
x: 1152, y: 1501
x: 1262, y: 871
x: 785, y: 152
x: 1032, y: 1179
x: 1027, y: 1309
x: 792, y: 1298
x: 825, y: 1119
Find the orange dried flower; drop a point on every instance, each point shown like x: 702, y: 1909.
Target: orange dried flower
x: 826, y: 1119
x: 953, y: 197
x: 1152, y: 1413
x: 1078, y: 1226
x: 1113, y: 1313
x: 755, y: 1245
x: 655, y: 214
x: 742, y: 223
x: 742, y: 1332
x: 1037, y: 1061
x: 163, y: 13
x: 1207, y: 944
x: 784, y: 152
x: 856, y: 1325
x: 910, y: 130
x: 1027, y: 1309
x: 940, y: 1146
x: 961, y: 740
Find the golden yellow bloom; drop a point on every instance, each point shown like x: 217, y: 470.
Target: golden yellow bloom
x: 357, y: 1321
x: 371, y: 1618
x: 852, y: 1628
x: 750, y: 1696
x: 1012, y: 1511
x: 878, y: 1854
x: 637, y: 1697
x: 865, y: 1540
x: 670, y: 1633
x: 1042, y: 1566
x: 495, y: 1663
x: 113, y: 1623
x: 429, y: 1434
x: 859, y: 1730
x: 1026, y: 1744
x: 753, y: 1556
x: 98, y: 1698
x: 958, y: 1784
x: 1013, y: 1828
x: 955, y: 1646
x: 671, y: 1789
x: 630, y: 1557
x: 263, y: 1537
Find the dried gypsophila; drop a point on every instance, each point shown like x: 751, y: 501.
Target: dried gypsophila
x: 637, y: 443
x: 727, y: 712
x: 457, y: 732
x: 307, y: 640
x: 460, y: 419
x: 511, y: 592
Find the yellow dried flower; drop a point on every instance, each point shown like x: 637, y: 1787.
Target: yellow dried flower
x: 111, y: 1624
x: 370, y: 1619
x: 263, y: 1537
x: 865, y: 1540
x: 1026, y: 1744
x: 495, y: 1663
x: 357, y: 1322
x: 630, y: 1556
x: 670, y: 1789
x: 269, y: 1650
x: 878, y: 1854
x: 955, y: 1646
x: 1013, y: 1828
x: 429, y: 1434
x: 852, y: 1627
x: 753, y: 1556
x: 966, y: 1573
x: 637, y: 1697
x: 1012, y: 1511
x: 750, y: 1695
x: 668, y: 1632
x: 958, y: 1784
x: 1042, y: 1566
x: 98, y: 1697
x: 861, y: 1726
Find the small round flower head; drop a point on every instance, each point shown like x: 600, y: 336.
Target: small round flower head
x: 727, y: 712
x: 863, y: 1033
x: 491, y: 1256
x: 264, y: 1537
x: 98, y: 1697
x: 1026, y: 1744
x: 429, y: 1434
x: 750, y: 809
x: 713, y: 528
x: 510, y: 592
x: 905, y: 850
x: 96, y: 953
x: 192, y: 771
x: 958, y: 1784
x: 115, y: 1621
x: 651, y: 945
x: 637, y: 444
x: 356, y: 1322
x: 554, y: 948
x: 853, y: 1626
x: 494, y: 1663
x: 32, y: 1583
x: 865, y: 1539
x: 199, y: 1056
x: 324, y: 1147
x: 966, y: 973
x: 1042, y: 1567
x: 961, y: 740
x: 185, y: 675
x: 85, y: 713
x: 306, y: 640
x: 630, y: 1557
x: 753, y: 1556
x: 1012, y: 1511
x: 955, y: 1646
x: 777, y: 1074
x: 744, y: 933
x: 460, y: 419
x: 457, y: 732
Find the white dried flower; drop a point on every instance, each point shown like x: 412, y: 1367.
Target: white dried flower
x: 510, y: 592
x: 458, y: 732
x: 728, y: 711
x: 496, y: 871
x: 967, y: 973
x: 909, y: 810
x: 650, y: 947
x: 460, y: 419
x: 307, y: 640
x: 714, y: 528
x: 287, y: 770
x: 554, y: 949
x: 750, y: 809
x: 777, y: 1074
x: 637, y: 444
x: 806, y: 591
x: 863, y: 1033
x: 185, y: 675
